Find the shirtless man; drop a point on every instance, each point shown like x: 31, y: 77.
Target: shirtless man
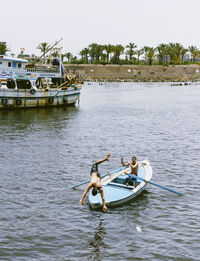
x: 134, y: 170
x: 133, y: 165
x: 95, y: 182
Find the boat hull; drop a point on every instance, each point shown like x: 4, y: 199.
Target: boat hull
x: 16, y: 99
x: 117, y: 201
x: 117, y: 193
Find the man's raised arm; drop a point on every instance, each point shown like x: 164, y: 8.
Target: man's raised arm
x: 123, y: 164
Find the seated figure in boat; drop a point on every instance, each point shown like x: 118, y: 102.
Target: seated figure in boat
x: 134, y: 170
x: 95, y: 182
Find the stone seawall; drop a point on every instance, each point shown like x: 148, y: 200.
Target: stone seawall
x: 143, y: 73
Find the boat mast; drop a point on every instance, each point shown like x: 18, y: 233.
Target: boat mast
x: 50, y: 48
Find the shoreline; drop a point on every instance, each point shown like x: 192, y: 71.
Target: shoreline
x: 135, y: 73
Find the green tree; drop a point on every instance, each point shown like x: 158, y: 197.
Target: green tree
x: 139, y: 53
x: 102, y: 55
x: 55, y: 54
x: 3, y: 48
x: 130, y: 52
x: 62, y: 56
x: 149, y: 54
x: 175, y: 53
x: 108, y: 49
x: 43, y: 47
x: 96, y: 52
x: 74, y: 59
x: 183, y: 52
x: 194, y: 52
x: 93, y: 52
x: 84, y: 54
x: 117, y: 51
x: 145, y: 50
x: 162, y: 55
x: 68, y: 56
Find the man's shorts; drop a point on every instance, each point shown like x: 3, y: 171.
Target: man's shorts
x: 94, y: 169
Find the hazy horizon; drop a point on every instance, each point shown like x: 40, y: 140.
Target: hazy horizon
x: 80, y: 23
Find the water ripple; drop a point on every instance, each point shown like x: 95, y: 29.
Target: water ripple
x: 44, y: 152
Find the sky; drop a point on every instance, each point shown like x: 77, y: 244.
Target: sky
x: 26, y: 23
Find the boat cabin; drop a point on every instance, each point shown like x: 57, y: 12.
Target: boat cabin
x: 11, y: 63
x: 17, y: 73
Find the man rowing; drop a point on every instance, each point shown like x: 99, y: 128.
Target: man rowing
x: 134, y: 170
x: 95, y: 182
x: 134, y: 165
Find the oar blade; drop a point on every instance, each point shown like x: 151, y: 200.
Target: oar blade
x: 166, y: 188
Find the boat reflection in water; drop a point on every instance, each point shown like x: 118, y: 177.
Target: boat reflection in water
x: 55, y: 117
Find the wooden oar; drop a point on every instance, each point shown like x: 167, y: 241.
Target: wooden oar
x: 87, y: 181
x: 157, y: 185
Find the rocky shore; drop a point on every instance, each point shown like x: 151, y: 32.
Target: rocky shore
x: 136, y: 73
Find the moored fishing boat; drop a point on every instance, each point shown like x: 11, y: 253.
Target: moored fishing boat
x: 24, y: 85
x: 116, y: 192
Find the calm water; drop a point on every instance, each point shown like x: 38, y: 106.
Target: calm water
x: 44, y: 152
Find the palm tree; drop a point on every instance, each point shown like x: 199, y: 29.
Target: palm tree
x: 3, y: 48
x: 162, y: 53
x: 149, y: 54
x: 55, y: 54
x: 62, y: 56
x: 93, y: 51
x: 183, y: 52
x: 68, y: 56
x: 174, y: 51
x: 117, y: 50
x: 74, y: 59
x: 43, y: 47
x: 145, y: 50
x: 84, y: 54
x: 130, y: 52
x: 96, y: 52
x: 194, y: 53
x: 139, y: 53
x: 100, y: 54
x: 108, y: 49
